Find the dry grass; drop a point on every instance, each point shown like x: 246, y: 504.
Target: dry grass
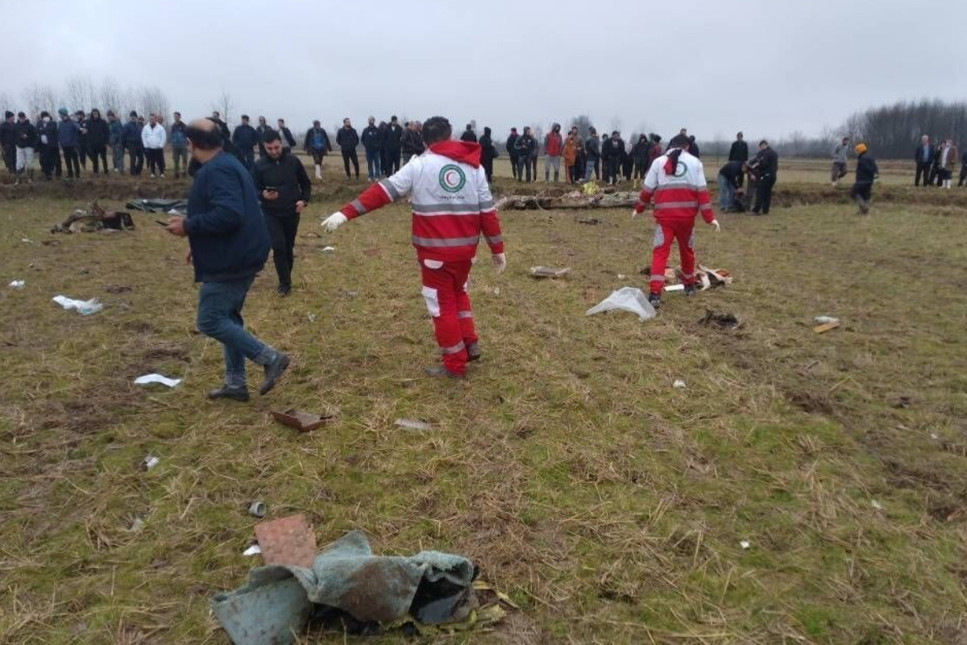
x: 608, y: 504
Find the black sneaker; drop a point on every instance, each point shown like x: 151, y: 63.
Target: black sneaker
x: 689, y: 290
x: 274, y: 371
x: 283, y: 290
x: 473, y: 352
x: 655, y: 300
x: 233, y: 393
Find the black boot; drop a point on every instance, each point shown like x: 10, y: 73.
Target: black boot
x: 273, y: 371
x: 235, y: 393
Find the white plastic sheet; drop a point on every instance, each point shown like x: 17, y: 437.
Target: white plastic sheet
x: 157, y: 378
x: 84, y: 307
x: 629, y: 299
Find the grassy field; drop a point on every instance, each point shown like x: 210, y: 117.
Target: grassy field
x: 608, y: 504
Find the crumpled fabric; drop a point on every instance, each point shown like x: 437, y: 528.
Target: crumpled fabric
x: 277, y: 600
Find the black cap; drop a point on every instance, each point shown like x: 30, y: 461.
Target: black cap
x: 245, y: 116
x: 133, y: 113
x: 7, y: 114
x: 21, y: 115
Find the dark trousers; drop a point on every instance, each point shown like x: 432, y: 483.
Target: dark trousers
x: 347, y: 156
x: 933, y: 177
x: 71, y: 162
x: 513, y: 166
x: 156, y: 160
x: 763, y: 195
x: 94, y: 153
x: 597, y: 168
x: 612, y: 171
x: 374, y: 163
x: 248, y: 157
x: 282, y: 232
x: 10, y: 158
x: 524, y: 164
x: 392, y: 162
x: 923, y: 170
x: 488, y: 166
x: 963, y: 174
x: 534, y: 166
x: 49, y: 161
x: 82, y: 153
x: 136, y: 159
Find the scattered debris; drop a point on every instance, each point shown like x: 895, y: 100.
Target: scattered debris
x: 84, y: 307
x: 257, y: 509
x: 300, y: 419
x: 679, y: 384
x: 26, y: 241
x: 413, y: 424
x: 575, y: 200
x: 590, y: 221
x: 328, y: 249
x: 674, y: 287
x: 720, y: 320
x: 496, y: 291
x: 934, y: 436
x: 622, y: 276
x: 352, y: 294
x: 117, y: 288
x: 312, y: 317
x: 157, y: 378
x: 169, y: 206
x: 547, y: 272
x: 629, y: 299
x: 822, y: 329
x: 903, y: 402
x: 745, y: 544
x: 875, y: 504
x: 149, y: 462
x: 825, y: 320
x: 137, y: 525
x: 95, y: 219
x: 357, y: 592
x: 287, y: 540
x: 18, y: 284
x: 255, y: 549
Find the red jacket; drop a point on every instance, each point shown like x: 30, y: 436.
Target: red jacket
x: 553, y: 144
x: 452, y: 204
x: 679, y: 193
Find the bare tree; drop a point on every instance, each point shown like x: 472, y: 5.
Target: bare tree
x: 225, y: 105
x: 151, y: 100
x: 39, y: 98
x: 111, y: 96
x: 583, y: 123
x: 78, y: 91
x: 6, y: 102
x: 616, y: 124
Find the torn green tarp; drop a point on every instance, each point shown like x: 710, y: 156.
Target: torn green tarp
x: 275, y: 604
x: 158, y: 205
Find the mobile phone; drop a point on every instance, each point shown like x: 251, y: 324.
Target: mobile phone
x: 160, y: 223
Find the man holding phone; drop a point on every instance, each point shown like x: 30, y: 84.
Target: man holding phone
x: 284, y: 189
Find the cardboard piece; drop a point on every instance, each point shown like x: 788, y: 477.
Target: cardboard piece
x: 287, y: 540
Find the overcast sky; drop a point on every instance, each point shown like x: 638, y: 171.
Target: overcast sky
x: 768, y: 67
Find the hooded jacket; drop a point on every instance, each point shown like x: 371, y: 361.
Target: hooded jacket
x: 97, y: 133
x: 68, y: 133
x: 309, y: 142
x: 412, y: 143
x: 680, y: 192
x: 593, y: 148
x: 553, y: 144
x: 866, y: 169
x: 452, y: 203
x: 487, y: 149
x: 7, y: 135
x: 288, y: 176
x: 115, y: 131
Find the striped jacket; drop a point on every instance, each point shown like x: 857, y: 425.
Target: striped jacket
x: 452, y: 204
x: 682, y: 195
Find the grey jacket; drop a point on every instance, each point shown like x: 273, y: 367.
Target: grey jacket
x: 840, y: 153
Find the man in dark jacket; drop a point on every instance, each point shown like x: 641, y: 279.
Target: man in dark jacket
x: 26, y: 142
x: 284, y: 188
x: 68, y: 137
x: 178, y: 138
x: 245, y: 139
x: 729, y: 181
x: 923, y: 158
x: 228, y: 245
x: 963, y: 167
x: 82, y: 150
x: 316, y: 144
x: 767, y: 171
x: 511, y: 147
x: 640, y: 156
x: 133, y: 144
x: 261, y: 130
x: 693, y: 147
x: 524, y: 146
x: 612, y: 153
x: 412, y: 142
x: 488, y: 152
x: 469, y: 135
x: 592, y: 148
x: 115, y: 139
x: 216, y: 118
x: 285, y: 133
x: 98, y: 135
x: 739, y: 152
x: 393, y: 144
x: 47, y: 146
x: 8, y: 142
x: 373, y: 145
x: 866, y: 174
x: 347, y: 139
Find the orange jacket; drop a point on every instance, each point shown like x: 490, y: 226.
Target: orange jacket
x: 570, y: 152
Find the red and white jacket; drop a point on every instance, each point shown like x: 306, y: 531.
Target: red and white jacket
x: 679, y: 194
x: 452, y: 204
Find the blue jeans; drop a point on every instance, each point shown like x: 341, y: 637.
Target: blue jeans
x: 220, y: 317
x: 726, y: 192
x: 373, y: 164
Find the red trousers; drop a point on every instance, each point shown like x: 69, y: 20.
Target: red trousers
x: 445, y: 292
x: 667, y: 232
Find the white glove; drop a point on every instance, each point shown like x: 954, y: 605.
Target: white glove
x: 334, y: 221
x: 715, y: 223
x: 500, y: 262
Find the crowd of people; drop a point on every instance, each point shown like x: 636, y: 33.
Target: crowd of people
x: 936, y: 163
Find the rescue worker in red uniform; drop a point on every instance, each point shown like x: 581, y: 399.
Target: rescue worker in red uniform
x: 452, y: 207
x: 676, y: 181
